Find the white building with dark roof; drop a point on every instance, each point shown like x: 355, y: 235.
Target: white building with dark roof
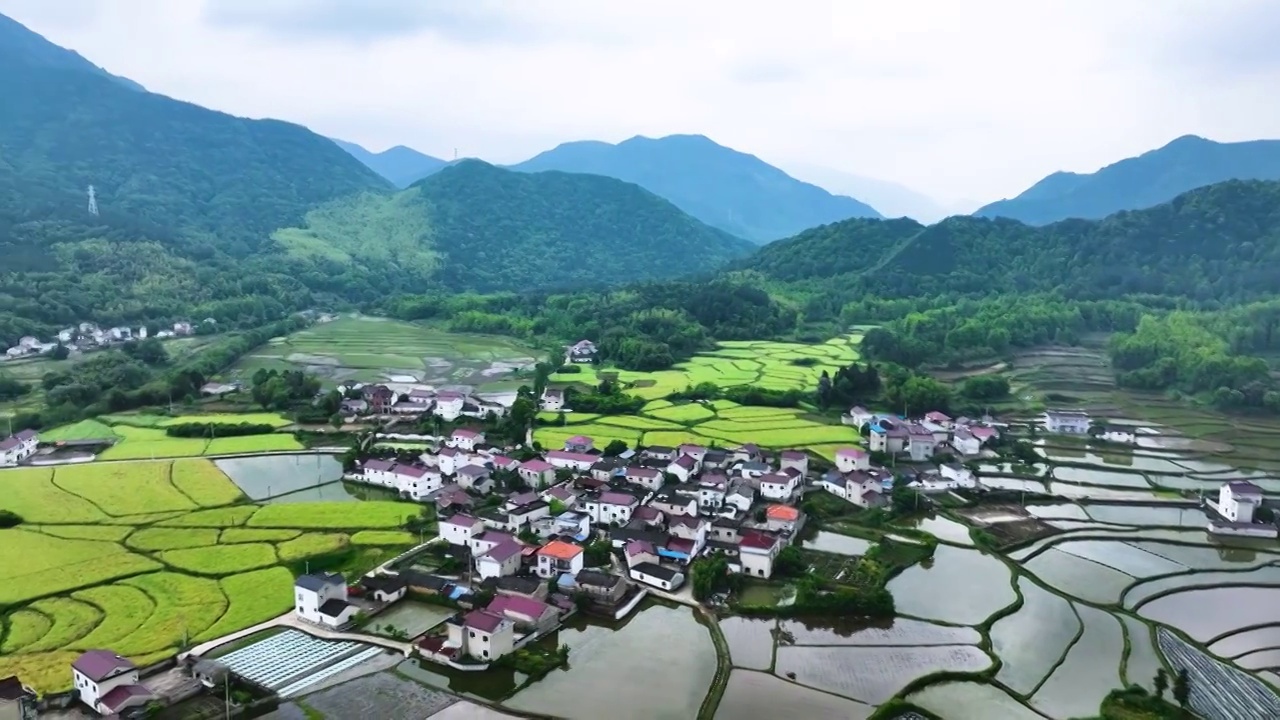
x: 322, y: 599
x: 1070, y: 422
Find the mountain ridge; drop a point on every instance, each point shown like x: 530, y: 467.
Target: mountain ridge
x: 1156, y: 176
x: 401, y: 165
x: 725, y: 188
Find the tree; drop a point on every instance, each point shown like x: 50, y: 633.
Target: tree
x: 1182, y: 688
x: 1160, y: 682
x: 336, y: 421
x: 60, y: 352
x: 615, y: 447
x: 556, y: 507
x: 790, y: 562
x: 761, y: 515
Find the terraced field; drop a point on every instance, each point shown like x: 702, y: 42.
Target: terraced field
x: 136, y: 436
x: 144, y: 557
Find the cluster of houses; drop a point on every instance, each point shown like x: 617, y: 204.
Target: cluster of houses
x: 583, y: 351
x: 88, y: 336
x: 922, y: 438
x: 16, y: 448
x: 411, y: 400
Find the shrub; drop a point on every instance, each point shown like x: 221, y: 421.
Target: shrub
x: 9, y: 519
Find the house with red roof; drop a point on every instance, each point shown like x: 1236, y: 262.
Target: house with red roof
x: 527, y: 614
x: 538, y: 473
x: 780, y: 518
x: 108, y: 683
x: 558, y: 557
x: 757, y: 551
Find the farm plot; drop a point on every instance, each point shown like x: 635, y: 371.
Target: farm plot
x: 204, y: 483
x: 1218, y: 691
x: 124, y: 609
x: 688, y: 413
x: 894, y: 632
x: 1077, y: 577
x: 106, y: 533
x: 185, y: 607
x: 253, y: 597
x: 151, y: 443
x: 364, y: 515
x: 158, y: 538
x: 873, y: 674
x: 72, y: 620
x: 1142, y: 661
x: 310, y: 545
x: 30, y: 492
x: 248, y: 535
x: 383, y: 537
x: 275, y: 442
x: 971, y: 700
x: 124, y: 488
x: 977, y: 586
x: 217, y: 518
x: 1090, y: 670
x: 84, y: 430
x: 1246, y: 641
x: 1185, y: 610
x: 25, y: 627
x: 34, y: 565
x: 222, y: 559
x: 1044, y: 616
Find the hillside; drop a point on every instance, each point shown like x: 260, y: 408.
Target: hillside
x: 724, y: 188
x: 19, y: 44
x: 473, y: 226
x: 1141, y: 182
x: 1216, y: 243
x: 401, y: 165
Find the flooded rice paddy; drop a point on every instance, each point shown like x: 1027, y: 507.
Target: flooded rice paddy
x: 976, y: 586
x: 272, y: 475
x: 873, y: 674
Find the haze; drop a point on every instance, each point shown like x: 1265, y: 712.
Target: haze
x: 964, y: 102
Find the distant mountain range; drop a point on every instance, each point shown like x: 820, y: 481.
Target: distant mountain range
x: 1215, y: 243
x: 1140, y: 182
x: 401, y: 165
x: 890, y: 198
x: 724, y: 188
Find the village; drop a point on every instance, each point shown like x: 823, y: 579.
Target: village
x: 89, y: 336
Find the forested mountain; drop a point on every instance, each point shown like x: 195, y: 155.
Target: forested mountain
x: 18, y: 44
x: 473, y: 226
x: 724, y: 188
x: 401, y: 165
x: 1141, y: 182
x: 1218, y: 243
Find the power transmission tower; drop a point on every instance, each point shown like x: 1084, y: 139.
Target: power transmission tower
x: 93, y: 201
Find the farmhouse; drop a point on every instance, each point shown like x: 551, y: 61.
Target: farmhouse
x: 475, y: 478
x: 538, y: 473
x: 464, y: 439
x: 500, y: 560
x: 858, y: 417
x: 920, y: 443
x: 526, y: 614
x: 640, y: 551
x: 384, y: 588
x: 674, y: 504
x: 1237, y: 501
x: 502, y: 462
x: 581, y: 462
x: 459, y: 529
x: 579, y: 444
x: 552, y: 399
x: 449, y: 404
x: 322, y: 599
x: 1071, y: 422
x: 795, y: 460
x: 782, y: 518
x: 740, y: 496
x: 958, y: 475
x: 888, y: 438
x: 658, y: 576
x: 487, y: 540
x: 563, y: 494
x: 644, y: 477
x: 602, y: 588
x: 108, y: 683
x: 558, y: 557
x: 964, y: 442
x: 17, y: 448
x: 683, y: 467
x: 778, y: 486
x: 757, y: 552
x: 583, y: 351
x: 610, y: 507
x: 481, y: 634
x: 711, y: 491
x: 691, y: 528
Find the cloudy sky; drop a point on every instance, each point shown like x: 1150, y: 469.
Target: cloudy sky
x: 960, y: 100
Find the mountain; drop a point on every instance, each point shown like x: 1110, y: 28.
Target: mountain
x: 17, y: 43
x: 890, y: 198
x: 1217, y: 243
x: 724, y: 188
x: 473, y: 226
x: 401, y: 165
x: 1140, y: 182
x: 187, y: 197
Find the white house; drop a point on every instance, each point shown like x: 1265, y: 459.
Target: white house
x: 15, y: 449
x: 583, y: 351
x: 579, y: 444
x: 663, y: 578
x: 384, y: 588
x: 558, y: 557
x: 449, y: 404
x: 580, y: 462
x: 645, y: 477
x: 464, y: 439
x: 920, y: 443
x: 850, y: 459
x: 965, y: 443
x: 108, y: 683
x: 416, y: 482
x: 683, y: 467
x: 1071, y: 422
x: 482, y: 635
x: 958, y: 475
x: 1238, y: 500
x: 756, y: 552
x: 740, y: 496
x: 449, y: 460
x: 538, y: 473
x: 796, y: 460
x: 610, y: 507
x: 499, y: 561
x: 527, y: 613
x: 858, y: 416
x: 691, y: 528
x: 474, y: 477
x: 487, y: 540
x: 711, y: 491
x: 460, y: 529
x: 553, y: 399
x: 778, y: 486
x: 322, y: 599
x: 639, y: 552
x: 674, y: 504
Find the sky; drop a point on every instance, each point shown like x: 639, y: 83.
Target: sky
x: 962, y: 101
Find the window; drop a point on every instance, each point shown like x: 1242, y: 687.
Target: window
x: 473, y: 634
x: 485, y: 653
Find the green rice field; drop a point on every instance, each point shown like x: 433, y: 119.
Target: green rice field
x: 139, y: 436
x: 144, y: 557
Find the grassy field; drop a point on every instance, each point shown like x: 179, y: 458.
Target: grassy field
x: 146, y: 557
x: 371, y: 349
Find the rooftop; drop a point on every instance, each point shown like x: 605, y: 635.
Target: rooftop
x: 536, y: 466
x: 99, y: 665
x: 782, y: 512
x: 482, y: 620
x: 460, y: 520
x: 638, y: 547
x: 504, y: 551
x: 657, y: 571
x: 561, y: 550
x: 317, y: 582
x: 528, y: 607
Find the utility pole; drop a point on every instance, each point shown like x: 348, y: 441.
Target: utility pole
x: 93, y: 202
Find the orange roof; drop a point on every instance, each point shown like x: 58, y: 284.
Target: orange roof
x: 782, y: 512
x: 560, y: 549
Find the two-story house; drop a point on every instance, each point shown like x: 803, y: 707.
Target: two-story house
x: 459, y: 529
x: 15, y: 449
x: 557, y: 558
x: 322, y: 599
x: 108, y: 683
x: 538, y: 473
